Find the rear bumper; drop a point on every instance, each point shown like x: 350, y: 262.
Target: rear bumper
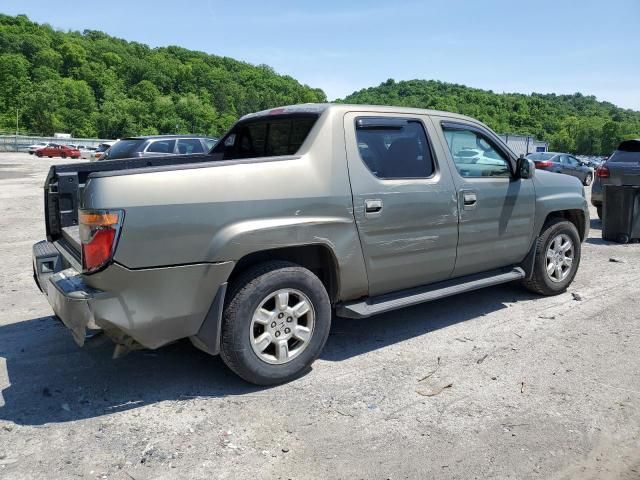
x: 151, y: 306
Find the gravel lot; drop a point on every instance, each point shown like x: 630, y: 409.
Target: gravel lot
x: 494, y: 384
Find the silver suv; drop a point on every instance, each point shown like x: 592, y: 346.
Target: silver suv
x: 158, y: 145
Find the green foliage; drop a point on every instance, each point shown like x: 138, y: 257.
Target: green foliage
x: 91, y: 84
x: 571, y: 123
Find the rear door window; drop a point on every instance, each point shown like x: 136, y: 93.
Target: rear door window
x: 394, y: 147
x: 162, y: 146
x: 265, y: 137
x: 189, y: 146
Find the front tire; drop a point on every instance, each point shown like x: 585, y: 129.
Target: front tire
x: 275, y: 323
x: 557, y: 258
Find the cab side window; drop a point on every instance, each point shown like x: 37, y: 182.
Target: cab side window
x: 394, y: 147
x: 474, y: 154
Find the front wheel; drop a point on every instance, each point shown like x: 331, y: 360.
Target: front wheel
x: 275, y: 323
x: 557, y: 258
x: 588, y: 179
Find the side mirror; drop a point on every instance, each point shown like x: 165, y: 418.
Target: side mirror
x: 525, y: 168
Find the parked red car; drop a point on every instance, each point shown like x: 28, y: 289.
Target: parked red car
x: 54, y: 150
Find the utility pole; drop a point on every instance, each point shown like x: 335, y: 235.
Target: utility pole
x: 17, y: 112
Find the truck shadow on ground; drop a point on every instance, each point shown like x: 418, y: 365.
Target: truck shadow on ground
x: 52, y: 380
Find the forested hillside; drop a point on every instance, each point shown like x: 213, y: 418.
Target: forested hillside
x: 573, y: 123
x: 90, y: 84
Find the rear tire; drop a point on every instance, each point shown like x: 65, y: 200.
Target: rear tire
x: 599, y: 211
x: 64, y: 155
x: 38, y: 154
x: 555, y: 282
x: 588, y: 179
x: 283, y: 355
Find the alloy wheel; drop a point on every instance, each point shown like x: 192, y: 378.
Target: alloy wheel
x: 282, y: 326
x: 559, y: 257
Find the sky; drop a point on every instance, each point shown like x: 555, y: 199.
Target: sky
x: 544, y: 46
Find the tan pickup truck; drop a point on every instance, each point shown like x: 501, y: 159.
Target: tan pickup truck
x: 297, y: 213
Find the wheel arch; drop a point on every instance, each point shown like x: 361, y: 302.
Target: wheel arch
x: 575, y: 216
x: 318, y: 258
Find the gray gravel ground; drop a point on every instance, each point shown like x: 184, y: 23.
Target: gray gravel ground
x: 517, y: 386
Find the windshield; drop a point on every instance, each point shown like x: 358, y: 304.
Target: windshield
x: 122, y: 149
x: 540, y: 156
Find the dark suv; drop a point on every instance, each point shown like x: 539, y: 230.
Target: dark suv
x: 622, y: 168
x: 158, y: 145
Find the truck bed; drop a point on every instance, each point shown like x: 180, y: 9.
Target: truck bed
x: 64, y: 185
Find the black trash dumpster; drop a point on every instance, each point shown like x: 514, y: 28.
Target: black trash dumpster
x: 621, y: 213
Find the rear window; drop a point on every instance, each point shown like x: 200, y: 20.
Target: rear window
x: 624, y: 156
x: 540, y: 156
x: 630, y: 146
x: 265, y: 137
x: 122, y: 149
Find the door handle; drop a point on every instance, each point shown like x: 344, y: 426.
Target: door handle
x: 469, y: 200
x: 372, y: 207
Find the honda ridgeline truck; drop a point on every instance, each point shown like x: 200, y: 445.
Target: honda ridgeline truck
x: 299, y: 212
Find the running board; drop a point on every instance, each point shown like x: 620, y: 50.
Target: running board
x: 414, y: 296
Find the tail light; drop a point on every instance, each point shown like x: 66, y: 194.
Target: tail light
x: 602, y: 171
x: 99, y: 231
x: 543, y: 164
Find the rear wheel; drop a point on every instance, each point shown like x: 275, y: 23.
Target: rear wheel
x: 557, y: 258
x: 599, y: 211
x: 275, y: 323
x: 38, y: 154
x: 588, y: 179
x: 64, y: 155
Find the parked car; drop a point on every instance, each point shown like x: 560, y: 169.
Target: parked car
x: 55, y: 150
x: 36, y: 146
x: 100, y: 149
x: 563, y: 163
x: 87, y: 152
x: 295, y: 212
x: 621, y: 168
x: 153, y: 146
